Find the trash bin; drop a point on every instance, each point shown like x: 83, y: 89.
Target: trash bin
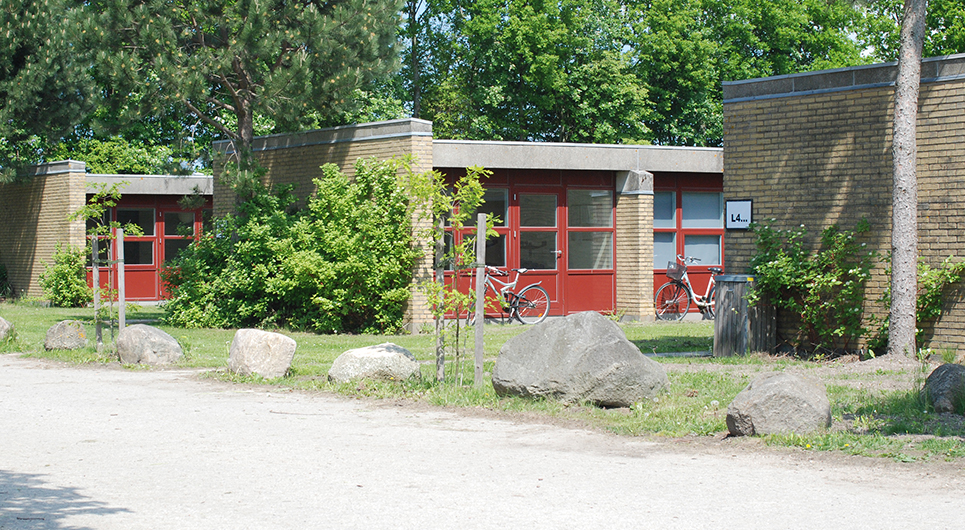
x: 739, y: 327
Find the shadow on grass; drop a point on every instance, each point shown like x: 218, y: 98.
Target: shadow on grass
x: 907, y: 412
x: 27, y: 502
x: 673, y: 344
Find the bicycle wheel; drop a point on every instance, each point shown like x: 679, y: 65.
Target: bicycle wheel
x: 712, y: 308
x: 532, y: 305
x: 672, y: 301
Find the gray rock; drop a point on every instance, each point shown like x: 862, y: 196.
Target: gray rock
x: 66, y: 335
x: 261, y: 352
x: 144, y: 344
x: 779, y: 403
x: 6, y: 329
x: 386, y: 362
x: 945, y: 388
x: 583, y: 357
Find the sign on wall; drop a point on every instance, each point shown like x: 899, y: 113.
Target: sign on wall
x: 738, y: 214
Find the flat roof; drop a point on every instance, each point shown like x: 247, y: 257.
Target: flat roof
x: 933, y: 70
x: 566, y: 156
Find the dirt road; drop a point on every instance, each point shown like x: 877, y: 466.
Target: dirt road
x: 102, y: 448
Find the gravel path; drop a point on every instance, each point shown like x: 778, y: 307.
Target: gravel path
x: 103, y: 448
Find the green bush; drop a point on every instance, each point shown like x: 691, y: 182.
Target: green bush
x: 65, y: 282
x: 824, y: 289
x: 341, y: 264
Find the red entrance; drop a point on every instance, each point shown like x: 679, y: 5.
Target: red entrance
x: 167, y: 228
x: 688, y: 219
x: 559, y: 224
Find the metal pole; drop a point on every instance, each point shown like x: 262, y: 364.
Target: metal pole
x: 120, y: 279
x: 480, y: 294
x: 98, y: 333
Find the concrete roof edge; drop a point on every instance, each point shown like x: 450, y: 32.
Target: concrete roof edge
x: 573, y: 156
x: 156, y: 184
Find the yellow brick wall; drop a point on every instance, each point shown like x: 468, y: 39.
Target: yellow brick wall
x: 634, y: 256
x: 820, y: 159
x: 33, y: 217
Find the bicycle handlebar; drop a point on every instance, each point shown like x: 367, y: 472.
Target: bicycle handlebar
x: 688, y: 259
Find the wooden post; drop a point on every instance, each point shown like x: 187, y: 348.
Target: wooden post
x: 120, y: 279
x: 440, y: 319
x: 98, y: 333
x: 480, y: 294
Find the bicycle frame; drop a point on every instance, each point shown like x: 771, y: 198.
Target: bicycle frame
x: 702, y: 301
x: 506, y: 289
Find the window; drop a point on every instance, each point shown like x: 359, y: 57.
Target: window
x: 688, y: 219
x: 590, y: 223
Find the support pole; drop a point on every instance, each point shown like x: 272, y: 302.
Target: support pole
x: 98, y: 332
x: 120, y: 280
x: 480, y: 294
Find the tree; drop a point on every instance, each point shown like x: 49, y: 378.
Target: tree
x: 518, y: 70
x: 46, y: 85
x: 227, y: 62
x: 904, y: 217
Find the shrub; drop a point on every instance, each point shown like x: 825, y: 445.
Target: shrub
x: 65, y: 282
x: 341, y: 264
x: 824, y: 289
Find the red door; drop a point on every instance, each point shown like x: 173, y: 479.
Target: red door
x: 536, y: 242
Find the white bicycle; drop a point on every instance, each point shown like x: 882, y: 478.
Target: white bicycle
x: 672, y: 300
x: 529, y: 306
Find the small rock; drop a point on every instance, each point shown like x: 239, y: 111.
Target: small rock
x: 66, y: 335
x: 261, y: 352
x: 779, y: 403
x: 583, y: 357
x: 144, y: 344
x: 6, y: 329
x: 387, y: 361
x: 945, y: 388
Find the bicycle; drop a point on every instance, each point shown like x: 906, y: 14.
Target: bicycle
x: 672, y: 300
x: 529, y: 306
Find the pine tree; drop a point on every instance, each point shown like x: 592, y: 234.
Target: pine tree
x: 228, y: 61
x: 45, y: 79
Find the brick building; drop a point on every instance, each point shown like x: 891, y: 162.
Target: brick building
x: 814, y: 149
x: 591, y: 220
x: 549, y: 197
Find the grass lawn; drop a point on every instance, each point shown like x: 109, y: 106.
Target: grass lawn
x: 870, y: 419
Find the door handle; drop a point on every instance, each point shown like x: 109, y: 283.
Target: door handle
x: 559, y: 253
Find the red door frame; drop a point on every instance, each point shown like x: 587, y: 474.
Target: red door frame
x: 142, y: 281
x: 679, y: 184
x: 570, y: 290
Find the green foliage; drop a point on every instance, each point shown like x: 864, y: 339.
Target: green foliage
x: 65, y: 281
x: 934, y: 284
x: 116, y: 155
x: 46, y: 85
x: 824, y: 289
x: 228, y: 62
x: 342, y: 264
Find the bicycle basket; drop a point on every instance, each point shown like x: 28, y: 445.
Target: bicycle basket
x: 675, y: 271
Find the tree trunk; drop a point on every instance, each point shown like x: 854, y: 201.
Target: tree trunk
x: 416, y: 73
x: 904, y: 227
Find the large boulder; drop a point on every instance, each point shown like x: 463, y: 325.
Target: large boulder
x: 6, y: 329
x: 583, y: 357
x: 945, y: 388
x: 66, y: 335
x: 779, y: 403
x: 389, y: 362
x: 261, y: 352
x: 144, y: 344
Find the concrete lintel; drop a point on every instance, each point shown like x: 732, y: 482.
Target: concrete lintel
x: 634, y: 183
x: 155, y: 184
x: 345, y: 133
x: 563, y: 156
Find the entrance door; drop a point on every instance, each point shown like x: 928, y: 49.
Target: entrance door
x: 537, y: 234
x: 589, y: 280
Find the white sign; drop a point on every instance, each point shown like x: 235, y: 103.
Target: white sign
x: 738, y: 215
